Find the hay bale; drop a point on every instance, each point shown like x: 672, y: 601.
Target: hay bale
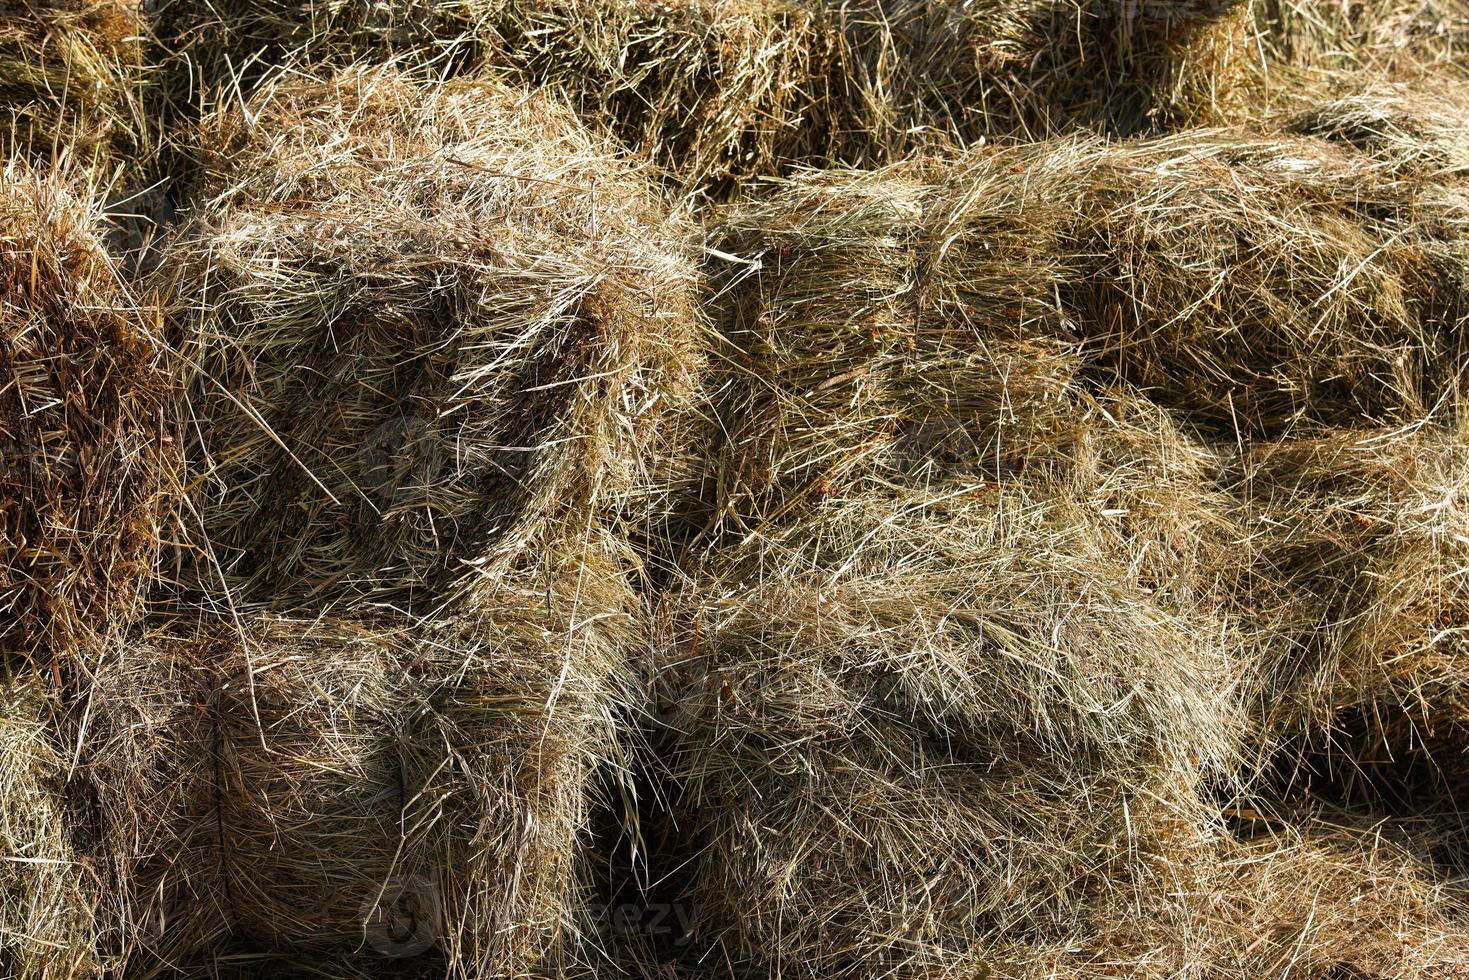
x: 1360, y: 540
x: 1257, y: 282
x: 87, y: 461
x: 711, y: 90
x: 1365, y: 36
x: 966, y: 70
x: 428, y: 324
x: 905, y: 724
x: 71, y: 80
x: 337, y: 787
x: 1417, y: 128
x: 47, y: 896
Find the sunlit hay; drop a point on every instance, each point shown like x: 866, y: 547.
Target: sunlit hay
x: 426, y: 324
x: 907, y: 723
x: 1419, y: 129
x: 966, y: 71
x: 71, y: 80
x: 904, y: 318
x: 710, y: 90
x: 1360, y: 547
x: 1256, y: 282
x: 85, y: 459
x: 1366, y: 36
x: 47, y: 896
x: 356, y: 787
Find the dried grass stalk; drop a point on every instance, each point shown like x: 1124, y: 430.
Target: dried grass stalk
x: 335, y: 788
x: 906, y: 723
x: 426, y: 324
x: 47, y: 896
x: 85, y: 459
x: 71, y: 76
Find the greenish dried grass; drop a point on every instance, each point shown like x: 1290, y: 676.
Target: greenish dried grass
x: 427, y: 327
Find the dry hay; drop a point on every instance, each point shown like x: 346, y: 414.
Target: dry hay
x: 385, y: 402
x: 883, y: 319
x: 711, y: 90
x: 338, y: 787
x: 47, y: 931
x: 71, y: 79
x: 908, y: 722
x: 1257, y: 282
x: 86, y: 457
x: 968, y: 70
x: 1359, y: 552
x: 1364, y: 36
x: 1419, y: 129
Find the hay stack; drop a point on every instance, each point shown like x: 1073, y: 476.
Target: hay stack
x: 337, y: 787
x: 966, y: 70
x: 427, y: 326
x: 1257, y: 282
x: 1361, y: 543
x: 70, y: 79
x: 908, y: 723
x: 47, y: 895
x: 86, y: 458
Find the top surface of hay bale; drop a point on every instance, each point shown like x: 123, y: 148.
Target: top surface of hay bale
x: 427, y: 325
x: 86, y: 459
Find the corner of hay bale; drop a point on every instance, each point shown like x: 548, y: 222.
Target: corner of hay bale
x: 428, y: 323
x: 71, y: 75
x: 87, y: 458
x: 48, y: 891
x: 364, y: 789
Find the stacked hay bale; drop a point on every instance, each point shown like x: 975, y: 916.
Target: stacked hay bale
x: 47, y: 929
x: 88, y: 461
x: 1031, y: 67
x: 1365, y: 36
x: 346, y: 786
x: 1361, y: 539
x: 431, y: 331
x: 71, y: 80
x: 913, y: 723
x: 1255, y: 283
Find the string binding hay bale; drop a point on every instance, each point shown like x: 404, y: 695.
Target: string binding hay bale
x: 366, y: 789
x: 431, y: 327
x: 87, y: 464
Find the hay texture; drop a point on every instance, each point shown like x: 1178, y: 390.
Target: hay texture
x: 335, y: 788
x: 427, y: 325
x: 907, y: 724
x: 87, y: 459
x: 1360, y: 547
x: 47, y: 894
x: 71, y: 75
x: 1364, y: 36
x: 1255, y: 283
x: 914, y: 71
